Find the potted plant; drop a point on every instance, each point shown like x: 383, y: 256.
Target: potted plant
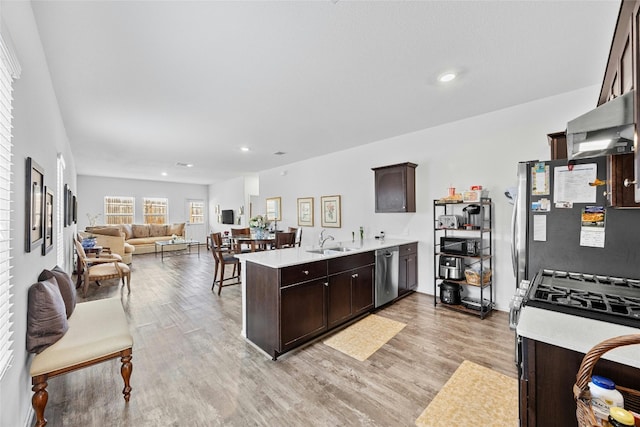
x: 259, y: 225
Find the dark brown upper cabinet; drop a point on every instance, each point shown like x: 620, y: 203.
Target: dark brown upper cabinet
x: 558, y: 145
x: 621, y: 76
x: 396, y: 188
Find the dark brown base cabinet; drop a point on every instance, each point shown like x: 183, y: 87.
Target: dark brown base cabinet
x: 408, y: 269
x: 350, y: 287
x: 547, y: 379
x: 303, y: 312
x: 292, y: 305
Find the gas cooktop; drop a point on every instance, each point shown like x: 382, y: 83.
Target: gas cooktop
x: 610, y: 299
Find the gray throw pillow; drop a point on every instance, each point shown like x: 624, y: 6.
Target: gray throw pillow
x: 46, y: 316
x: 66, y: 286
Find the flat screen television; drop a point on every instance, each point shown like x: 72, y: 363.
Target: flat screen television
x: 227, y: 216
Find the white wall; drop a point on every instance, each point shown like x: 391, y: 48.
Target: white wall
x: 481, y: 150
x: 227, y: 195
x: 38, y: 132
x: 93, y: 189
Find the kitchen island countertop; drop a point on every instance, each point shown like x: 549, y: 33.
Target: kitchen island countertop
x: 576, y: 333
x: 300, y: 255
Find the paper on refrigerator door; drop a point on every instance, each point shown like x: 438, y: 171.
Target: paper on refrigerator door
x: 592, y: 226
x: 573, y: 185
x: 540, y: 228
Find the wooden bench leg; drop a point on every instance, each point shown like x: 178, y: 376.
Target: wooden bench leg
x: 125, y: 370
x: 39, y: 399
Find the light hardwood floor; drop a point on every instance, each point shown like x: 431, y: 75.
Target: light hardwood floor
x: 191, y: 367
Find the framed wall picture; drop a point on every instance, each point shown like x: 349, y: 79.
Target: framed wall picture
x: 330, y: 211
x: 74, y: 209
x: 48, y: 221
x: 274, y: 209
x: 34, y: 202
x: 69, y: 207
x: 65, y: 208
x: 305, y: 211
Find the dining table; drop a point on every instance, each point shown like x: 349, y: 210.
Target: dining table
x: 255, y: 241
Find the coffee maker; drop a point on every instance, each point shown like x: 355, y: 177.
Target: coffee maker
x: 474, y: 215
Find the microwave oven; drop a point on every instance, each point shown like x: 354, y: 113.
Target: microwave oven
x: 460, y: 246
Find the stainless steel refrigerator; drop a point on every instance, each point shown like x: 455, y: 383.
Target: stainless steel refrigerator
x: 554, y: 238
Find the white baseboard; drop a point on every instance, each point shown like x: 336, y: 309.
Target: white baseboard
x: 29, y: 421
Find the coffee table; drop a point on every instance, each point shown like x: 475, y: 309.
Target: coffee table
x: 167, y: 243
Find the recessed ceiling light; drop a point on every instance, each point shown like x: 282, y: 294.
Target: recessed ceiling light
x: 244, y: 149
x: 446, y: 77
x: 279, y: 153
x: 164, y: 174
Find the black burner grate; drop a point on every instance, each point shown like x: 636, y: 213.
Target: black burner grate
x: 612, y: 299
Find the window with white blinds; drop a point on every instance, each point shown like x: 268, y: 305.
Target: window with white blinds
x: 117, y: 210
x: 60, y: 211
x: 196, y: 211
x: 9, y: 69
x: 156, y: 210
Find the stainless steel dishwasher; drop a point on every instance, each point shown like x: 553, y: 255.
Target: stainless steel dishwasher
x: 387, y: 262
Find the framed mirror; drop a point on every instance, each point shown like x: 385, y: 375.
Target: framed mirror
x: 274, y: 209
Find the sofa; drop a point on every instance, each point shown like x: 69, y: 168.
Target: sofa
x: 143, y: 237
x: 112, y: 238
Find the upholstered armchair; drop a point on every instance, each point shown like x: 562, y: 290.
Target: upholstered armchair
x: 112, y: 238
x: 95, y: 269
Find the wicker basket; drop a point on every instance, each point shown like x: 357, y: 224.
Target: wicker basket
x: 584, y: 413
x: 473, y: 277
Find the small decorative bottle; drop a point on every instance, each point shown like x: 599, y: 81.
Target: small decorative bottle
x: 361, y: 233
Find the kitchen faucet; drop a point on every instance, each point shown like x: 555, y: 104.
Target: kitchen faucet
x: 324, y: 239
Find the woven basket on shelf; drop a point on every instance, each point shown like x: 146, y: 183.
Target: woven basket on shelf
x: 473, y: 277
x: 584, y: 413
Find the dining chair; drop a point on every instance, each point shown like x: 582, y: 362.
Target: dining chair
x: 95, y: 269
x: 237, y: 247
x: 298, y: 231
x: 222, y: 258
x: 298, y: 240
x: 285, y: 240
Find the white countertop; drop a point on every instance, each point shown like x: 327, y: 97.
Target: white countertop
x: 299, y: 255
x: 576, y: 333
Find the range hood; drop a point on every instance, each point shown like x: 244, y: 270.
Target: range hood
x: 609, y: 129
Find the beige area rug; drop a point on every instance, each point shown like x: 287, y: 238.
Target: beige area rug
x: 474, y: 396
x: 365, y: 337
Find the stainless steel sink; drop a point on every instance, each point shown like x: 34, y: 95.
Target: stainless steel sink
x: 330, y: 251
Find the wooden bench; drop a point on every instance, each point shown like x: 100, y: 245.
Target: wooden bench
x: 98, y: 331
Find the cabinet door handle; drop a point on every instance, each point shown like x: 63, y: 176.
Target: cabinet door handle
x: 306, y: 272
x: 326, y: 284
x: 354, y: 276
x: 628, y: 182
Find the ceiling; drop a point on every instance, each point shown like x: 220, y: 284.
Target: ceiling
x: 144, y: 85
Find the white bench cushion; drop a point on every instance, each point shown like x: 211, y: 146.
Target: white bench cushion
x: 96, y: 329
